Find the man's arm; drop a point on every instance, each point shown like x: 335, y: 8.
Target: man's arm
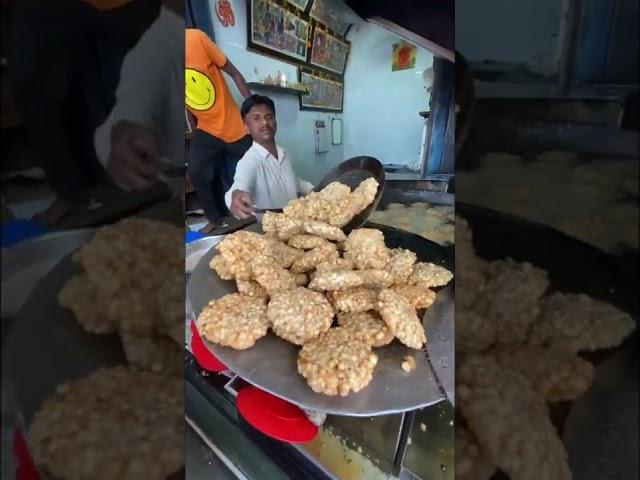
x: 126, y: 143
x: 231, y: 70
x: 137, y: 99
x: 221, y: 61
x: 134, y: 159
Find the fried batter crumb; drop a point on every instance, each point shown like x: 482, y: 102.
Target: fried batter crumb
x: 409, y: 363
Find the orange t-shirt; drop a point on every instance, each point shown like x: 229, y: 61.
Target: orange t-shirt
x: 106, y: 5
x: 206, y: 93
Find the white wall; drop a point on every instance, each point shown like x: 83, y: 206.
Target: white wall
x: 381, y: 106
x: 529, y: 29
x: 295, y: 127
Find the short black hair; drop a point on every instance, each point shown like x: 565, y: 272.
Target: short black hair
x: 254, y: 100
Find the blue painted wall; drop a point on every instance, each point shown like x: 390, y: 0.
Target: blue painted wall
x: 593, y: 42
x: 381, y: 107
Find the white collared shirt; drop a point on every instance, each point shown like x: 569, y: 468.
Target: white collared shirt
x: 151, y: 89
x: 271, y: 181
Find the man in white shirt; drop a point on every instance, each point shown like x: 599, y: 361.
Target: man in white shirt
x: 145, y: 128
x: 63, y: 65
x: 264, y: 176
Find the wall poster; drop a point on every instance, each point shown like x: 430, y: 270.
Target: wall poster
x: 323, y: 13
x: 325, y: 94
x: 277, y: 31
x: 300, y: 4
x: 328, y: 51
x: 404, y: 56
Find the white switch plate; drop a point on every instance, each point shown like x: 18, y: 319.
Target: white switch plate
x: 321, y: 137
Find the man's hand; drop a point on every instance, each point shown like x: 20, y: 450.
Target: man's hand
x: 134, y: 162
x: 241, y: 204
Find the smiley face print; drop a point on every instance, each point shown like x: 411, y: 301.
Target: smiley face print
x: 200, y: 94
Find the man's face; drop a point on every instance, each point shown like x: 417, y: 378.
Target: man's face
x: 261, y: 124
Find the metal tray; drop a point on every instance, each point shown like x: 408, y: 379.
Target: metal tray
x: 271, y: 363
x: 599, y: 429
x: 46, y: 346
x: 24, y: 264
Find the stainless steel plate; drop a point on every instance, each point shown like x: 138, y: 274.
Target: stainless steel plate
x: 440, y: 341
x: 271, y: 363
x: 27, y: 262
x: 600, y: 427
x: 197, y: 248
x: 47, y: 346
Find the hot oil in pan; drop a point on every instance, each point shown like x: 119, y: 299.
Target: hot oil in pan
x: 344, y: 462
x: 433, y: 222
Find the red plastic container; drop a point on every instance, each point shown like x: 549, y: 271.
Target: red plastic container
x: 275, y: 417
x: 204, y: 357
x: 25, y: 468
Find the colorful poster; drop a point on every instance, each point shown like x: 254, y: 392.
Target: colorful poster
x: 301, y: 4
x: 325, y: 14
x: 328, y: 51
x: 404, y: 56
x: 324, y: 94
x: 276, y: 30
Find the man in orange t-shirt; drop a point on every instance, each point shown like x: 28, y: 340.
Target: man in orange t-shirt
x: 220, y: 139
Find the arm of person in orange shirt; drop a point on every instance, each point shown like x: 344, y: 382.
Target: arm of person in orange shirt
x: 231, y: 70
x: 221, y: 61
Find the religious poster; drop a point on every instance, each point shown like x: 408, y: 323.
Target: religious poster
x: 300, y: 4
x: 275, y: 30
x: 325, y: 94
x: 329, y: 51
x: 323, y: 12
x: 404, y: 56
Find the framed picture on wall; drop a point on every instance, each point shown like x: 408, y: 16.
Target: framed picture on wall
x: 328, y: 51
x: 323, y: 12
x: 300, y: 4
x: 325, y: 94
x: 277, y: 31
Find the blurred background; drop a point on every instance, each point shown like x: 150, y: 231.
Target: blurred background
x: 554, y: 115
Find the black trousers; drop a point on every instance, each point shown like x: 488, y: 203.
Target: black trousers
x: 211, y: 168
x: 64, y: 61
